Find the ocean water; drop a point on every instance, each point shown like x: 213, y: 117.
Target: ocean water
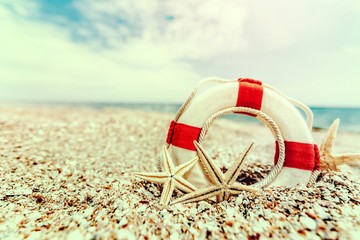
x: 323, y: 116
x: 349, y: 117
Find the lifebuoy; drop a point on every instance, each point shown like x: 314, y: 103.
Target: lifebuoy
x: 214, y: 95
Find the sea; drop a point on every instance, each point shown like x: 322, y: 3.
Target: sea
x: 323, y: 116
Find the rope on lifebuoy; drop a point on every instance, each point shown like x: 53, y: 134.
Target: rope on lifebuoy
x: 313, y: 177
x: 266, y: 119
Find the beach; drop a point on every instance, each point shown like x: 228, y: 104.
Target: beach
x: 66, y: 173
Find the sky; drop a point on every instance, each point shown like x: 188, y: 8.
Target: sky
x: 157, y: 50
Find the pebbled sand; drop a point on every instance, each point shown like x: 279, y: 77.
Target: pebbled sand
x: 65, y: 173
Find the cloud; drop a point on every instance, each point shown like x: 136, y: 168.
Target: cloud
x: 39, y: 62
x: 190, y: 29
x: 156, y: 51
x: 202, y: 30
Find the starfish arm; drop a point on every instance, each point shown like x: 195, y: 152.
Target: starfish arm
x: 233, y: 172
x: 167, y: 192
x: 155, y: 177
x: 167, y: 161
x: 212, y: 170
x: 328, y: 143
x: 346, y: 158
x: 184, y: 185
x: 236, y: 188
x: 198, y: 195
x: 328, y: 163
x: 183, y: 168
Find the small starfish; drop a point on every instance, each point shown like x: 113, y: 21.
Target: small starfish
x: 172, y: 177
x: 328, y: 160
x: 224, y: 184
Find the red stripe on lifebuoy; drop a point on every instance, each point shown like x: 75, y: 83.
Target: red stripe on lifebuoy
x: 317, y: 157
x: 182, y: 135
x: 298, y: 155
x: 170, y: 132
x: 250, y: 94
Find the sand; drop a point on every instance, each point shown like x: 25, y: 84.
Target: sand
x: 65, y: 173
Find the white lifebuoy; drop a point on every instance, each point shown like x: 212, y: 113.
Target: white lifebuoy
x: 301, y: 152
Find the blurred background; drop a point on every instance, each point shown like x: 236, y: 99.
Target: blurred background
x: 150, y: 54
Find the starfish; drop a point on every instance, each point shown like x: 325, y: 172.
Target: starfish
x: 223, y: 184
x: 172, y: 177
x: 328, y: 160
